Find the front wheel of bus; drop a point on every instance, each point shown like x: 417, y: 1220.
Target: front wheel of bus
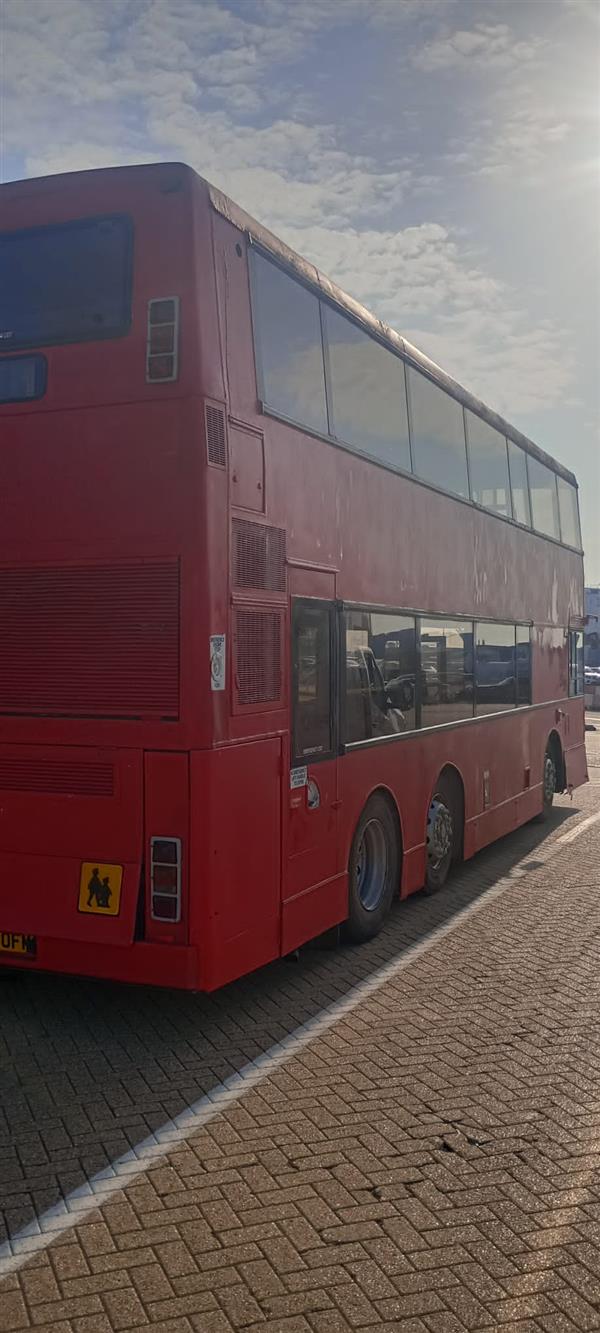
x: 373, y: 870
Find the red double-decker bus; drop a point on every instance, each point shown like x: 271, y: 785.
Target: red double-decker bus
x: 290, y: 621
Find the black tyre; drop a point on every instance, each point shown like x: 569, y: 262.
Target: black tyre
x: 549, y: 784
x: 444, y: 834
x: 373, y: 871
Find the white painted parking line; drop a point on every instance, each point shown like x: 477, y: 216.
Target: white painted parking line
x: 579, y: 828
x: 73, y: 1210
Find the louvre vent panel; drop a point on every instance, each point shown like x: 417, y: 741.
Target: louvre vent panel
x: 90, y: 641
x: 258, y: 656
x: 215, y: 435
x: 258, y: 556
x: 64, y: 777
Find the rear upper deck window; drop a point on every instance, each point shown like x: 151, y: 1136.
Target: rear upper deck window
x: 287, y: 325
x: 66, y: 283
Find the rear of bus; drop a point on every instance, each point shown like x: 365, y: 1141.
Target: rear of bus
x: 101, y: 552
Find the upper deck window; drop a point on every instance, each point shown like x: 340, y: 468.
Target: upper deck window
x: 67, y: 283
x: 368, y: 393
x: 569, y: 513
x: 317, y: 368
x: 517, y: 462
x: 544, y: 498
x: 289, y: 346
x: 438, y: 435
x: 488, y: 464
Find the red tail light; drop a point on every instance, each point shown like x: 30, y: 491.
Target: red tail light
x: 165, y: 879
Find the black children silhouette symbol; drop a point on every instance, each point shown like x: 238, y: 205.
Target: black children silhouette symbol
x: 99, y: 890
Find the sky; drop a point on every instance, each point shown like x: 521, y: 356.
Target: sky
x: 438, y: 158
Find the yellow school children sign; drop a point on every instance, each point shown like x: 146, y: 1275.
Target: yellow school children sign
x: 100, y: 888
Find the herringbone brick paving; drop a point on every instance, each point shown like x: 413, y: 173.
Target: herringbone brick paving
x: 429, y: 1164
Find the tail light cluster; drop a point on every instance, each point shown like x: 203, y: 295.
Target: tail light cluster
x: 162, y: 342
x: 165, y: 879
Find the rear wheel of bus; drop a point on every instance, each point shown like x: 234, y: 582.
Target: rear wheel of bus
x: 553, y: 779
x: 443, y: 840
x: 373, y: 870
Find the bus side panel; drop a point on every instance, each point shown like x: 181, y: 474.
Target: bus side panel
x: 576, y: 766
x: 235, y: 858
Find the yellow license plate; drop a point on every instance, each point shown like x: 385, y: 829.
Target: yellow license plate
x: 24, y: 946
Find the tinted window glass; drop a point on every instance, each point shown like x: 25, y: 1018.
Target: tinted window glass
x: 312, y: 679
x: 569, y: 513
x: 289, y: 346
x: 437, y: 435
x: 519, y: 485
x: 446, y: 671
x: 368, y: 393
x: 22, y: 378
x: 495, y: 667
x: 523, y: 638
x: 488, y: 465
x: 66, y: 283
x: 380, y: 675
x: 544, y: 498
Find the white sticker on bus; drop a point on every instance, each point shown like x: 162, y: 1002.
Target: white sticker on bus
x: 217, y: 661
x: 298, y: 777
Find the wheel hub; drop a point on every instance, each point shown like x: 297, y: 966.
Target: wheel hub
x: 549, y: 778
x: 440, y: 832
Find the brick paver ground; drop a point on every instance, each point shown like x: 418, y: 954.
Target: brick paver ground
x: 430, y: 1164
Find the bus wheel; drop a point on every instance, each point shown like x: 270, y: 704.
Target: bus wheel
x: 443, y: 834
x: 549, y: 782
x: 373, y: 871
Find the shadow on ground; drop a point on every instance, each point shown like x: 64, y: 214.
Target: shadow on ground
x: 87, y: 1069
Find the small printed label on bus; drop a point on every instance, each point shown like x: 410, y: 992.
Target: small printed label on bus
x: 100, y: 888
x: 298, y: 777
x: 217, y: 661
x: 24, y: 946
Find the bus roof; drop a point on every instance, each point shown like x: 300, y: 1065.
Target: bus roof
x: 309, y: 274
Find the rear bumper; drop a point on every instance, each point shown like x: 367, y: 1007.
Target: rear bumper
x: 142, y: 964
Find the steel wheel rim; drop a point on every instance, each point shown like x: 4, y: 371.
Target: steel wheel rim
x: 440, y: 833
x: 371, y: 865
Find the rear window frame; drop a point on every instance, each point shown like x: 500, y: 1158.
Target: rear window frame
x: 93, y: 335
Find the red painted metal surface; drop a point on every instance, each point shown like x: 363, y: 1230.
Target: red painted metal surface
x: 136, y: 521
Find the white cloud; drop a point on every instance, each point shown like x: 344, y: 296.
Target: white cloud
x: 144, y: 79
x: 484, y: 47
x: 521, y: 142
x: 586, y: 9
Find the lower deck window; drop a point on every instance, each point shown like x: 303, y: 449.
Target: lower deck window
x: 523, y: 664
x: 312, y: 679
x: 495, y: 668
x: 380, y: 671
x: 405, y: 672
x: 446, y: 671
x: 575, y: 662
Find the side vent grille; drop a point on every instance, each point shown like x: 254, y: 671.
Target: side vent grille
x: 215, y: 435
x: 56, y: 776
x: 90, y: 640
x: 258, y: 556
x: 258, y: 636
